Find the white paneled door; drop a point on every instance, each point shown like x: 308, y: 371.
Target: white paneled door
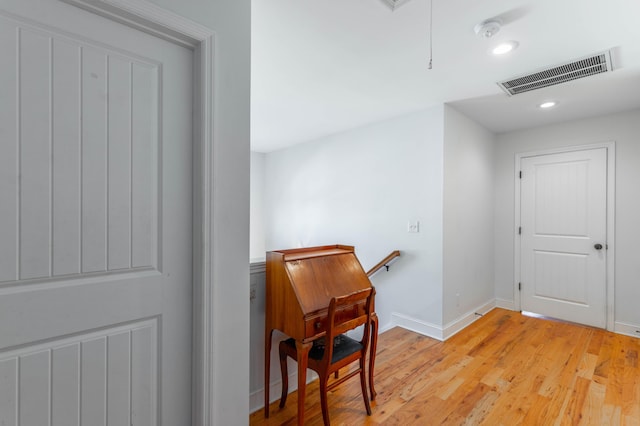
x: 95, y: 221
x: 564, y: 235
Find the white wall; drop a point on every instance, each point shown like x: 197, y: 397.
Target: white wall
x: 361, y: 188
x: 256, y: 226
x: 624, y: 130
x: 231, y: 21
x: 468, y: 216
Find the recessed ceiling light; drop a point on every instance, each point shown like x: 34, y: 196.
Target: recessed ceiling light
x: 505, y: 47
x: 548, y: 104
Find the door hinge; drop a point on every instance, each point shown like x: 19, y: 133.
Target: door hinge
x: 519, y: 286
x: 519, y: 230
x: 520, y: 174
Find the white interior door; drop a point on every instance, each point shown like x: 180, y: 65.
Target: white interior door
x: 95, y: 221
x: 564, y: 235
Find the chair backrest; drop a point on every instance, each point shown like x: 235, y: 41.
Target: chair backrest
x: 362, y: 297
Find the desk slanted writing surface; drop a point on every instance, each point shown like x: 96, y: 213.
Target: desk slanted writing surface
x: 299, y: 286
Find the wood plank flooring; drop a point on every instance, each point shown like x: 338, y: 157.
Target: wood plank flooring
x: 504, y: 369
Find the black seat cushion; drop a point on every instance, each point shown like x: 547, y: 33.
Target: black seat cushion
x: 342, y: 346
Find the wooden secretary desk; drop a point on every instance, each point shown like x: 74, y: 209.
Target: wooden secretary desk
x: 299, y: 286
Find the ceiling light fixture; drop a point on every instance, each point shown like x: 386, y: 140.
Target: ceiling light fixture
x: 505, y: 47
x: 547, y: 104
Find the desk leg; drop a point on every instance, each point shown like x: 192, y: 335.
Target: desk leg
x: 372, y: 354
x: 267, y: 369
x: 302, y: 350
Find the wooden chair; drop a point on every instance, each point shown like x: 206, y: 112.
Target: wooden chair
x: 328, y: 359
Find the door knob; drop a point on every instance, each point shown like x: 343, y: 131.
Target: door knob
x: 598, y: 246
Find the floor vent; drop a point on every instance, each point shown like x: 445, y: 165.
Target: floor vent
x: 594, y: 64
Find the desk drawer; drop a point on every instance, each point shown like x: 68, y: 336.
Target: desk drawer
x: 317, y: 324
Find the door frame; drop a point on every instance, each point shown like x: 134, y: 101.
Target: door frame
x: 159, y: 22
x: 611, y: 176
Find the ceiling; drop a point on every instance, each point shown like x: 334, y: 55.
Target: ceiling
x: 321, y: 67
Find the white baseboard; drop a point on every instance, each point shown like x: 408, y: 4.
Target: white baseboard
x: 388, y: 326
x: 438, y: 332
x: 256, y: 398
x: 419, y: 326
x: 465, y: 320
x: 506, y: 304
x: 627, y: 329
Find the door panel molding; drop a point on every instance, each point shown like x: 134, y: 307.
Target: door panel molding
x: 152, y: 19
x: 117, y: 364
x: 77, y: 218
x: 610, y: 226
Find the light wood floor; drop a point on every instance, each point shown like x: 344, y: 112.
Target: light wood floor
x: 505, y: 369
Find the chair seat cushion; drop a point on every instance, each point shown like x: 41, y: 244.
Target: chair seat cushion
x: 343, y: 346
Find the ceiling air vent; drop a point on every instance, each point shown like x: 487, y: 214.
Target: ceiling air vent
x: 594, y: 64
